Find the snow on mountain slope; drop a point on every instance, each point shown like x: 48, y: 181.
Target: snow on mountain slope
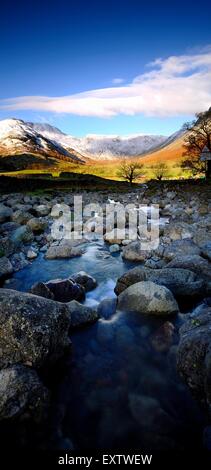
x: 102, y: 146
x: 17, y: 136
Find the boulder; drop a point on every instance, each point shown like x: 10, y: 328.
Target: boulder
x: 65, y: 290
x: 181, y: 247
x: 42, y: 290
x: 18, y: 261
x: 133, y: 252
x: 31, y: 254
x: 85, y: 280
x: 8, y: 227
x: 42, y: 210
x: 33, y: 330
x: 114, y: 248
x: 194, y: 263
x: 8, y: 247
x: 5, y: 213
x: 148, y: 298
x: 20, y: 217
x: 181, y: 282
x: 21, y: 392
x: 63, y: 251
x: 179, y: 231
x: 5, y: 268
x: 81, y: 315
x: 22, y: 234
x: 206, y: 250
x: 37, y: 225
x: 194, y: 357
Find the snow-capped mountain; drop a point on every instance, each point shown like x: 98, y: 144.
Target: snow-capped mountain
x: 17, y: 136
x: 102, y: 146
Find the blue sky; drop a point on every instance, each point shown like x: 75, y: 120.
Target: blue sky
x: 63, y: 49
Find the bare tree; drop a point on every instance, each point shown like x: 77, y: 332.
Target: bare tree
x: 130, y: 171
x: 198, y: 137
x: 160, y: 170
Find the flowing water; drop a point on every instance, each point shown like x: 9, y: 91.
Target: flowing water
x: 118, y: 392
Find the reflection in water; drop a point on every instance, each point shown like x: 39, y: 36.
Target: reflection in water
x: 118, y: 391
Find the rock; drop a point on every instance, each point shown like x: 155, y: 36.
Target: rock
x: 65, y: 290
x: 194, y: 357
x: 148, y: 298
x: 22, y: 234
x: 181, y: 282
x: 85, y: 280
x: 114, y: 248
x: 42, y: 210
x: 63, y: 251
x: 18, y: 261
x: 31, y: 254
x: 133, y: 252
x: 20, y: 217
x: 81, y: 315
x: 32, y: 329
x: 194, y: 263
x: 201, y: 237
x: 206, y: 250
x: 8, y: 227
x: 5, y: 268
x: 42, y: 290
x: 21, y: 392
x: 114, y: 238
x: 8, y: 247
x: 171, y: 195
x: 162, y: 339
x: 181, y: 247
x: 37, y: 225
x: 5, y: 213
x: 179, y: 231
x: 155, y: 263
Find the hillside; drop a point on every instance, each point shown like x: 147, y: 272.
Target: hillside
x: 170, y: 153
x: 22, y: 147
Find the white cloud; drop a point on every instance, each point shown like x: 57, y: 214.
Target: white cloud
x: 174, y: 86
x: 117, y: 81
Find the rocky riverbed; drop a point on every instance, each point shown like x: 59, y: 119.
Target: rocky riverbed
x: 103, y: 344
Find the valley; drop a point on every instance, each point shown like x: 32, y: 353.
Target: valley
x: 28, y: 148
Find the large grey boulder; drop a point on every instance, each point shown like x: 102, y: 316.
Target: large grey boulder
x: 5, y: 213
x: 63, y: 251
x: 194, y: 356
x: 21, y: 217
x: 21, y: 392
x: 180, y: 248
x: 81, y: 315
x: 148, y: 298
x: 206, y: 249
x: 181, y: 282
x: 33, y: 330
x: 194, y: 263
x: 85, y: 280
x: 133, y: 252
x: 37, y: 225
x: 5, y: 268
x: 22, y: 234
x: 42, y: 290
x: 42, y: 210
x: 179, y: 231
x: 65, y: 290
